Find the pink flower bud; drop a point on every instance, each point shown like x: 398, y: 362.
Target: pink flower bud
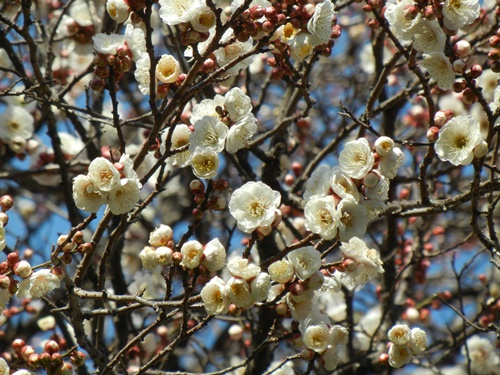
x: 462, y: 48
x: 6, y: 202
x: 4, y: 218
x: 476, y: 70
x: 26, y: 351
x: 296, y: 289
x: 12, y: 259
x: 51, y: 347
x: 458, y: 66
x: 22, y: 269
x: 196, y: 187
x: 384, y: 359
x: 433, y: 134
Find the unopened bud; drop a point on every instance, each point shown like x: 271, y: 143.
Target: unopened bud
x: 476, y: 70
x: 12, y: 259
x: 6, y: 202
x: 281, y: 309
x: 384, y: 359
x: 296, y: 289
x: 45, y: 359
x: 306, y: 354
x: 458, y: 66
x: 433, y: 133
x: 56, y: 359
x: 26, y: 351
x: 494, y: 54
x: 4, y: 219
x: 481, y: 149
x: 371, y: 179
x: 22, y: 269
x: 77, y: 358
x: 462, y: 48
x: 442, y: 117
x: 220, y: 185
x: 494, y: 41
x: 196, y: 187
x: 51, y: 347
x: 4, y: 282
x: 235, y: 332
x: 58, y: 271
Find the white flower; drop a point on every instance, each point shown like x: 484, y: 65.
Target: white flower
x: 306, y: 261
x: 174, y: 12
x: 148, y: 258
x: 458, y: 13
x: 301, y: 306
x: 253, y: 205
x: 107, y: 44
x: 418, y: 341
x: 230, y: 52
x: 318, y: 183
x: 16, y: 121
x: 160, y: 236
x: 208, y: 132
x: 400, y: 334
x: 320, y: 24
x: 4, y: 368
x: 240, y: 133
x: 214, y: 256
x: 399, y: 355
x: 87, y: 195
x: 379, y: 191
x: 238, y: 291
x: 343, y: 186
x: 180, y: 138
x: 38, y: 285
x: 238, y: 104
x: 136, y: 41
x: 287, y: 32
x: 281, y: 271
x: 240, y: 267
x: 118, y: 10
x: 207, y: 107
x: 440, y: 69
x: 204, y: 20
x: 429, y: 36
x: 366, y: 263
x: 322, y: 217
x: 457, y: 139
x: 356, y: 159
x: 141, y: 73
x: 317, y: 337
x: 260, y: 286
x: 401, y: 22
x: 164, y: 255
x: 192, y: 252
x: 205, y: 162
x: 301, y: 46
x: 46, y: 324
x: 167, y: 69
x: 215, y: 297
x: 353, y: 219
x: 70, y: 145
x: 340, y: 335
x: 80, y: 13
x: 384, y: 145
x: 388, y: 165
x: 104, y: 174
x: 124, y: 197
x: 24, y: 372
x: 3, y: 240
x: 483, y: 358
x: 330, y: 358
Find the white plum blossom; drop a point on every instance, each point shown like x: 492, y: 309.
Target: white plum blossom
x: 384, y: 145
x: 317, y: 337
x: 389, y: 164
x: 440, y: 69
x: 260, y: 286
x: 160, y: 236
x: 343, y: 186
x: 148, y: 258
x: 87, y: 195
x: 353, y: 220
x: 238, y: 291
x: 204, y: 20
x: 180, y: 138
x: 141, y: 73
x: 302, y: 46
x: 208, y: 132
x: 174, y: 12
x: 164, y: 255
x: 205, y: 162
x: 418, y: 341
x: 16, y: 122
x: 124, y: 197
x: 320, y: 24
x: 401, y: 22
x: 356, y: 159
x: 399, y: 355
x: 192, y: 252
x: 215, y: 297
x: 400, y: 334
x: 306, y: 261
x: 207, y: 107
x: 380, y: 191
x: 458, y: 13
x: 483, y: 359
x: 4, y: 368
x: 318, y: 183
x: 340, y: 335
x: 242, y: 268
x: 281, y: 271
x: 457, y: 140
x: 38, y: 284
x: 107, y: 44
x: 365, y: 263
x: 104, y: 174
x: 237, y: 104
x: 253, y: 205
x: 330, y: 358
x: 214, y: 256
x: 429, y: 37
x: 167, y: 69
x: 240, y: 133
x: 232, y: 51
x: 118, y: 10
x: 322, y: 216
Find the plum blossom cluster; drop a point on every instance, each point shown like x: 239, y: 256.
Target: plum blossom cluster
x: 51, y: 360
x: 223, y: 123
x: 405, y: 343
x: 483, y: 358
x: 342, y: 200
x: 415, y: 22
x: 106, y: 183
x: 16, y: 124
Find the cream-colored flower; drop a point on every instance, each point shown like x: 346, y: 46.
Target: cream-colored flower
x: 400, y: 334
x: 192, y: 252
x: 418, y: 341
x: 389, y: 164
x: 87, y: 195
x: 164, y: 255
x: 205, y: 162
x: 174, y: 12
x: 160, y: 236
x: 238, y: 104
x: 168, y: 69
x: 4, y: 368
x: 281, y: 271
x: 238, y: 291
x: 320, y: 24
x: 260, y: 286
x: 401, y: 21
x: 242, y: 268
x: 384, y: 145
x: 180, y: 138
x: 107, y: 44
x: 203, y: 20
x: 141, y: 73
x: 214, y: 256
x: 356, y: 159
x: 399, y: 355
x: 318, y: 183
x: 232, y: 51
x: 483, y: 359
x: 208, y: 132
x: 123, y: 198
x: 317, y: 337
x: 118, y: 10
x: 457, y: 140
x: 440, y: 69
x: 365, y: 263
x: 306, y: 261
x: 429, y: 36
x: 353, y: 220
x: 322, y: 216
x: 104, y: 174
x: 343, y: 186
x: 148, y: 258
x: 330, y: 358
x: 38, y: 285
x: 458, y: 13
x: 240, y: 133
x: 215, y: 297
x: 253, y: 205
x: 16, y: 122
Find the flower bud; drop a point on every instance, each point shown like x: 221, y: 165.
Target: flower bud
x: 432, y: 134
x: 77, y: 358
x: 462, y: 48
x: 4, y: 282
x: 51, y: 347
x: 220, y: 185
x: 235, y: 332
x: 4, y: 219
x: 494, y: 41
x: 45, y: 359
x: 22, y: 269
x: 26, y: 351
x: 196, y: 187
x: 18, y: 345
x: 458, y: 66
x: 12, y: 259
x: 306, y: 354
x: 371, y: 179
x: 164, y: 255
x: 6, y: 202
x: 56, y: 359
x: 481, y: 149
